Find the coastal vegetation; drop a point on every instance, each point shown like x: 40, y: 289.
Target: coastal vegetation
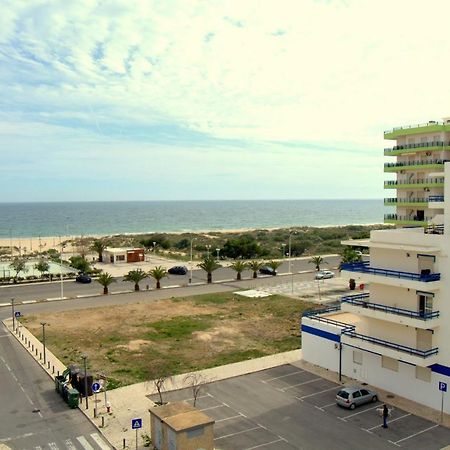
x: 183, y: 334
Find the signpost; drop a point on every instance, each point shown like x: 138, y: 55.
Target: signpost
x: 95, y: 389
x: 17, y: 314
x: 442, y: 388
x: 135, y: 425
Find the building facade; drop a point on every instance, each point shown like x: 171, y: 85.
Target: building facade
x: 397, y: 335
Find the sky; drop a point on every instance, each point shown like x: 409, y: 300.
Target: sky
x: 193, y: 100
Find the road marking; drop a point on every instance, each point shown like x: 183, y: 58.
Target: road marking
x: 22, y: 436
x: 416, y: 434
x: 192, y: 398
x: 25, y: 302
x: 327, y: 406
x: 54, y: 299
x: 316, y: 393
x: 299, y: 384
x: 390, y: 421
x: 53, y: 446
x: 392, y: 442
x: 121, y: 292
x: 69, y: 444
x: 267, y: 443
x: 5, y: 304
x: 38, y: 447
x: 360, y: 412
x: 282, y: 376
x: 237, y: 432
x: 229, y: 418
x: 212, y: 407
x: 85, y: 295
x: 100, y: 442
x: 83, y: 441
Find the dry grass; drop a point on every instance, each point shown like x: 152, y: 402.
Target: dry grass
x: 137, y: 342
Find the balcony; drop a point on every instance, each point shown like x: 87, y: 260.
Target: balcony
x: 426, y: 164
x: 360, y: 304
x: 415, y: 184
x: 363, y: 267
x: 419, y: 147
x: 406, y: 202
x: 407, y: 220
x: 391, y: 349
x: 431, y: 127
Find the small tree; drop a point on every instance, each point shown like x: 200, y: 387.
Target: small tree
x: 79, y: 263
x: 19, y: 264
x: 209, y: 265
x: 135, y: 276
x: 105, y: 279
x: 317, y: 261
x: 158, y: 273
x: 255, y: 266
x: 159, y: 373
x: 42, y: 266
x: 99, y: 246
x: 239, y: 267
x: 196, y: 381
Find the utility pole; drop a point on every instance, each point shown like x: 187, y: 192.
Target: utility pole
x: 43, y: 340
x: 13, y: 313
x: 85, y: 381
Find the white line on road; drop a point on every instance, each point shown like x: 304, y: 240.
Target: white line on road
x: 416, y: 434
x: 172, y: 286
x: 100, y: 442
x: 299, y: 384
x: 360, y: 412
x: 390, y: 421
x: 52, y: 299
x: 22, y: 436
x: 229, y: 418
x: 392, y: 442
x: 53, y: 446
x: 327, y: 406
x: 237, y: 432
x: 5, y: 304
x: 26, y: 302
x: 317, y: 393
x: 212, y: 407
x: 282, y: 376
x: 83, y: 441
x: 267, y: 443
x: 69, y: 444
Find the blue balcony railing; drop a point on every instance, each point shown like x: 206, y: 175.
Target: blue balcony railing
x: 436, y: 198
x: 362, y: 300
x: 316, y: 314
x: 393, y: 345
x: 363, y: 267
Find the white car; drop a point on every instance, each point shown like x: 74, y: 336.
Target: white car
x: 323, y: 274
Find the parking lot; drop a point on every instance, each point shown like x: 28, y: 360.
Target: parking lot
x: 289, y: 408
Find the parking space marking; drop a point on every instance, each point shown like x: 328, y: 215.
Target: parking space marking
x: 232, y: 417
x: 299, y: 384
x: 360, y: 412
x: 199, y: 397
x: 212, y: 407
x: 267, y: 443
x: 390, y: 421
x: 416, y: 434
x: 237, y: 432
x: 316, y: 393
x: 282, y: 376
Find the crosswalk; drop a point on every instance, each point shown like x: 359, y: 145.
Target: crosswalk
x: 92, y: 442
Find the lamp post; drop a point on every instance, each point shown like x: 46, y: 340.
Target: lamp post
x: 43, y: 340
x: 154, y: 247
x: 13, y: 313
x: 218, y: 251
x: 84, y: 357
x: 60, y: 268
x: 190, y: 278
x: 290, y: 257
x: 208, y: 246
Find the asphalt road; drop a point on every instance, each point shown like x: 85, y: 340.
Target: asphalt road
x: 47, y: 290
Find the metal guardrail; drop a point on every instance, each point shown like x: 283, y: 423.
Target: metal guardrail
x: 425, y: 162
x: 407, y: 218
x: 393, y: 345
x: 363, y: 267
x: 431, y: 123
x: 361, y: 300
x: 418, y: 145
x: 435, y: 180
x: 406, y: 200
x: 436, y: 198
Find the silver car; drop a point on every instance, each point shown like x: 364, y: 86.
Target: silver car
x: 351, y: 397
x: 324, y: 274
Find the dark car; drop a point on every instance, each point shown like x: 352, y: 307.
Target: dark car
x: 83, y: 278
x: 266, y: 270
x: 178, y: 270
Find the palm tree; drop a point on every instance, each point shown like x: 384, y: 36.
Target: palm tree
x: 209, y: 265
x: 135, y: 276
x: 255, y: 265
x: 105, y: 279
x: 350, y: 255
x: 317, y: 261
x: 158, y: 273
x: 98, y: 246
x: 42, y: 266
x: 239, y: 267
x: 274, y: 265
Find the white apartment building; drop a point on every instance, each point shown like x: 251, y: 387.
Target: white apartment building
x: 397, y: 336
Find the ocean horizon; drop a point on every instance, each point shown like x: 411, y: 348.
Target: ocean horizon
x: 98, y: 218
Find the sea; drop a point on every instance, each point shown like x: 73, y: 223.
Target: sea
x: 107, y: 218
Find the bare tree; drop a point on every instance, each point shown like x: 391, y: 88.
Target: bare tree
x: 196, y: 381
x: 159, y: 373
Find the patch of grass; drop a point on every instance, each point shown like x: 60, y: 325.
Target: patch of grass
x: 214, y: 299
x: 236, y: 356
x: 178, y: 327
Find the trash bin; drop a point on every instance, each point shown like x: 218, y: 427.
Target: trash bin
x: 72, y: 398
x: 59, y: 381
x: 361, y: 287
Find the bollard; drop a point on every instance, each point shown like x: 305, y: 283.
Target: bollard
x: 36, y: 352
x: 58, y: 373
x: 124, y: 443
x: 48, y: 364
x: 95, y: 411
x: 53, y: 369
x: 25, y: 340
x: 40, y: 355
x: 28, y: 344
x: 103, y: 421
x: 32, y: 347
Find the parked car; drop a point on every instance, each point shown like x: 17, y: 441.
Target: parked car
x: 323, y: 274
x: 83, y: 278
x: 351, y: 397
x: 266, y: 270
x: 178, y: 270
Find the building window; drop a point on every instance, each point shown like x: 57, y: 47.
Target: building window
x: 120, y: 258
x: 423, y: 373
x: 357, y: 357
x: 389, y: 363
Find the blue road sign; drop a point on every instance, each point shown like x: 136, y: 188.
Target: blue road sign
x: 96, y: 387
x: 17, y: 314
x: 136, y: 423
x: 442, y: 386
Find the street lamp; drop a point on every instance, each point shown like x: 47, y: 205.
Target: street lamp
x: 13, y: 313
x: 217, y: 250
x: 290, y: 257
x: 190, y: 278
x: 84, y: 357
x: 208, y: 246
x: 43, y: 340
x: 60, y: 268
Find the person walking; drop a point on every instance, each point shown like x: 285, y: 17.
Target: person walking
x: 385, y: 414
